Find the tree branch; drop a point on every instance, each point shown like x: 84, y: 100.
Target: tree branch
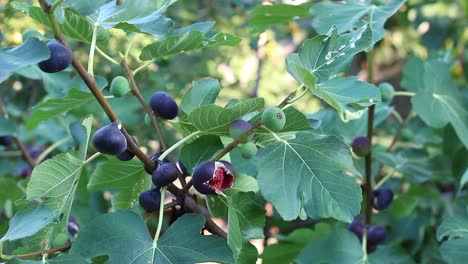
x: 24, y: 152
x: 48, y: 251
x: 368, y: 159
x: 211, y: 226
x: 149, y: 111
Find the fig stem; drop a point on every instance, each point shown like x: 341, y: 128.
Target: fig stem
x: 397, y: 116
x: 364, y: 246
x: 368, y: 158
x: 52, y: 148
x: 384, y: 179
x: 107, y: 57
x: 160, y: 218
x: 93, y: 157
x: 143, y: 66
x: 296, y: 98
x: 404, y: 93
x: 91, y: 50
x: 178, y: 144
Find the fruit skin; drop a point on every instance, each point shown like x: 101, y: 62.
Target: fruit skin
x: 154, y: 158
x: 73, y: 226
x: 383, y: 197
x: 248, y: 150
x: 119, y: 86
x: 165, y: 174
x: 6, y: 140
x: 163, y: 105
x: 239, y: 127
x: 361, y: 146
x: 127, y: 154
x: 150, y: 200
x: 376, y: 234
x: 60, y: 240
x: 274, y: 118
x: 387, y: 91
x: 212, y: 177
x: 406, y: 135
x: 60, y: 58
x: 357, y: 227
x: 109, y: 139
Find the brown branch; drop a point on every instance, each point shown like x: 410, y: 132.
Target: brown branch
x: 260, y: 55
x: 166, y: 206
x: 48, y: 251
x: 149, y: 111
x: 24, y: 152
x: 368, y: 159
x: 211, y: 226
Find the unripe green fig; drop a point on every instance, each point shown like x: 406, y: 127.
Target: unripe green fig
x: 147, y: 120
x: 60, y: 240
x: 406, y: 135
x: 274, y: 118
x: 119, y: 86
x: 248, y: 150
x: 387, y: 91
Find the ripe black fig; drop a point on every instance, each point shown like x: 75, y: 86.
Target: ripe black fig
x: 239, y: 127
x: 127, y: 154
x: 109, y: 139
x: 163, y: 105
x: 376, y: 234
x: 165, y: 174
x: 60, y: 58
x: 382, y: 198
x: 361, y: 146
x: 150, y: 200
x: 154, y: 158
x: 6, y: 140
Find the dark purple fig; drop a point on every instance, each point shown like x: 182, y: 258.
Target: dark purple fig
x: 376, y: 234
x: 60, y: 58
x: 127, y: 154
x: 73, y: 226
x: 163, y: 105
x: 357, y: 227
x: 25, y: 172
x: 6, y: 140
x: 212, y: 177
x: 182, y: 168
x: 109, y: 139
x: 371, y: 248
x: 154, y: 158
x: 383, y: 197
x: 238, y: 128
x: 150, y: 200
x: 361, y: 146
x: 165, y: 174
x: 34, y: 152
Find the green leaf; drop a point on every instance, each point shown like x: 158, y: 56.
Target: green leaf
x: 12, y: 193
x: 200, y: 150
x: 310, y: 171
x: 32, y: 51
x: 437, y: 100
x: 299, y: 71
x: 216, y: 120
x: 188, y: 41
x: 454, y: 251
x: 72, y: 25
x: 246, y: 220
x: 340, y: 246
x: 350, y: 14
x: 7, y: 126
x: 54, y: 107
x: 61, y: 259
x: 324, y: 56
x: 127, y: 178
x: 55, y: 180
x: 136, y: 16
x: 84, y: 7
x: 453, y: 227
x: 203, y: 92
x: 288, y: 248
x: 181, y: 243
x: 391, y: 254
x: 348, y: 96
x: 25, y: 224
x: 266, y: 16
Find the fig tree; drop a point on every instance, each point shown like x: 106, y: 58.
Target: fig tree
x: 274, y: 118
x: 212, y: 177
x: 163, y: 105
x: 60, y: 58
x: 110, y: 140
x: 119, y: 86
x: 382, y: 198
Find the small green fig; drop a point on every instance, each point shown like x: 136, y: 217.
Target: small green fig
x: 274, y: 118
x: 406, y: 135
x: 119, y: 86
x: 387, y: 91
x: 248, y: 150
x: 60, y: 240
